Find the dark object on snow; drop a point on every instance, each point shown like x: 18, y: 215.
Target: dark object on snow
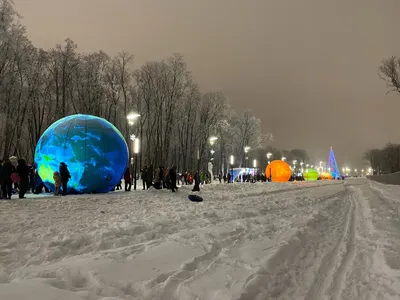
x: 102, y: 212
x: 195, y: 198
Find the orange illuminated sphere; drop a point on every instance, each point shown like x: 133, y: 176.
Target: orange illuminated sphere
x: 326, y: 176
x: 281, y: 171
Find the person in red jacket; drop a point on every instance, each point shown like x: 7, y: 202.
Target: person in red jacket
x: 127, y: 179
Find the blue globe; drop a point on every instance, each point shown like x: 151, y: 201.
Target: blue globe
x: 93, y: 149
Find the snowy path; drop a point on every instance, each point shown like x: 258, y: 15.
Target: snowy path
x: 322, y: 240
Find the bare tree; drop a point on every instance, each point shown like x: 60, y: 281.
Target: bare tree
x: 390, y: 73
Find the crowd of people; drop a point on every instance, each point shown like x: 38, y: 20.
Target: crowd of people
x: 17, y: 177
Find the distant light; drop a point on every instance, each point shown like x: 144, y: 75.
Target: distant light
x: 213, y: 138
x: 136, y: 147
x: 246, y: 149
x: 232, y: 160
x: 132, y: 116
x: 255, y: 163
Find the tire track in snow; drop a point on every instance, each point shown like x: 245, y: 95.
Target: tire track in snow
x: 331, y: 260
x: 168, y: 286
x: 290, y: 273
x: 349, y: 254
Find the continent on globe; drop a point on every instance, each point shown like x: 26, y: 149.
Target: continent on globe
x: 93, y: 149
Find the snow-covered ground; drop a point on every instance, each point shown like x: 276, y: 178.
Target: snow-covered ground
x: 321, y: 240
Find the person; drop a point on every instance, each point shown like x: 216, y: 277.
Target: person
x: 127, y: 179
x: 150, y: 173
x: 23, y: 173
x: 196, y: 187
x: 157, y: 179
x: 57, y: 183
x: 172, y: 174
x: 119, y: 185
x: 144, y: 178
x: 5, y: 177
x: 65, y: 176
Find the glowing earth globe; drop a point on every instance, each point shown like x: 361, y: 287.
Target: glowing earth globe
x: 93, y: 149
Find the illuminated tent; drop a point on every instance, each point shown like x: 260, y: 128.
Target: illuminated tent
x: 326, y: 176
x: 310, y: 174
x: 279, y: 170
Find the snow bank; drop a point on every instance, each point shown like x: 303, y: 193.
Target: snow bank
x: 245, y: 241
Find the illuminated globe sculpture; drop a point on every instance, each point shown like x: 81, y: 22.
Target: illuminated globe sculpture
x: 279, y: 170
x: 93, y: 149
x: 310, y: 174
x: 326, y: 176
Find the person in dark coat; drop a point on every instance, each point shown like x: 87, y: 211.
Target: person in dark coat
x: 23, y: 173
x: 127, y: 179
x: 5, y: 176
x: 196, y: 187
x: 144, y: 178
x: 150, y: 173
x: 65, y: 176
x: 172, y: 174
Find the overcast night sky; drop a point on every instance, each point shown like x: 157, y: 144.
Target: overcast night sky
x: 307, y: 68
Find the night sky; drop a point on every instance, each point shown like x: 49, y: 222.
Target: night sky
x: 307, y: 68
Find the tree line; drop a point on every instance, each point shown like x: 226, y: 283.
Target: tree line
x: 38, y: 87
x: 387, y: 159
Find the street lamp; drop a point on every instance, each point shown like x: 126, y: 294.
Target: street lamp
x: 269, y: 155
x: 232, y: 161
x: 246, y: 150
x: 132, y: 117
x: 136, y: 148
x: 212, y: 142
x: 283, y: 158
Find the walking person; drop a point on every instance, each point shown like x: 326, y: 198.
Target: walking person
x: 172, y: 174
x: 127, y: 179
x: 5, y: 177
x: 150, y: 173
x: 144, y: 177
x: 196, y: 187
x: 65, y: 176
x: 23, y: 173
x: 57, y: 183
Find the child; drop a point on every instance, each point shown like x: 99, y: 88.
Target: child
x: 57, y: 183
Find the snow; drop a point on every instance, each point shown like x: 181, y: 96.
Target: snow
x: 305, y: 240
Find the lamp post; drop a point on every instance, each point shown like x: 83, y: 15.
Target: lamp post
x: 132, y: 138
x: 283, y: 158
x: 212, y: 140
x: 246, y: 150
x: 131, y: 117
x: 136, y: 148
x: 232, y: 161
x: 269, y: 155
